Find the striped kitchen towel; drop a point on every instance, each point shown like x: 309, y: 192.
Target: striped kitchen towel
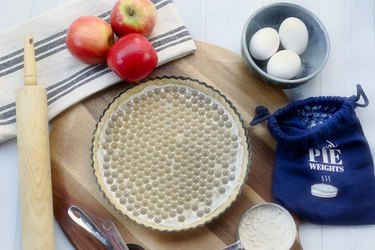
x: 67, y: 80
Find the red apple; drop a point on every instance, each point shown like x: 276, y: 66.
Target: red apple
x: 133, y: 16
x: 89, y: 39
x: 132, y: 57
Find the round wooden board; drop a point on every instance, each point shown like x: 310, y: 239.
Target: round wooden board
x: 73, y: 177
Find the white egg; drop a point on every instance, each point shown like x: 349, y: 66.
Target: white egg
x: 285, y: 64
x: 264, y: 43
x: 294, y: 35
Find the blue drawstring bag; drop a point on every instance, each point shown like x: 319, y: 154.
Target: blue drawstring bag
x: 323, y: 170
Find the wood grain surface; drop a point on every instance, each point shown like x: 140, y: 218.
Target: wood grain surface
x: 73, y: 176
x: 34, y: 158
x: 35, y: 189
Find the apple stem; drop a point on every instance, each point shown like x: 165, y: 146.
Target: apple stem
x: 131, y: 11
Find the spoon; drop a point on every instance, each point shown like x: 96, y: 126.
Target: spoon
x: 114, y: 235
x: 110, y: 237
x: 79, y: 217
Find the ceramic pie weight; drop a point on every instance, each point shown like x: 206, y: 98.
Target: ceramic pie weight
x: 171, y: 153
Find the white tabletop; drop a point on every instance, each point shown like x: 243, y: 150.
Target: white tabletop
x: 351, y: 27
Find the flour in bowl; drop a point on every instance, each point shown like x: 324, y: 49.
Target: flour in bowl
x: 267, y: 226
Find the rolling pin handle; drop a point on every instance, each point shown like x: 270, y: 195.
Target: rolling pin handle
x: 29, y: 61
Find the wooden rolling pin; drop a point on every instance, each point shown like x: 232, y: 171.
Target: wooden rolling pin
x: 35, y: 187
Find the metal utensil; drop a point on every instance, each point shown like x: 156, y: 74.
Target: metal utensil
x: 110, y: 237
x: 79, y: 217
x: 114, y: 235
x: 291, y: 235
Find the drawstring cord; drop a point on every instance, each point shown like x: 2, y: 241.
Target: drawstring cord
x: 360, y: 93
x: 261, y: 115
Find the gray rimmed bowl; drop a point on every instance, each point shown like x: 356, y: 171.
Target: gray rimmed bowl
x: 313, y: 58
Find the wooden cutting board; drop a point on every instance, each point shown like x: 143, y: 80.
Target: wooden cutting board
x: 73, y: 176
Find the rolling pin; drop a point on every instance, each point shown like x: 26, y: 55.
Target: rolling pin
x: 35, y: 188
